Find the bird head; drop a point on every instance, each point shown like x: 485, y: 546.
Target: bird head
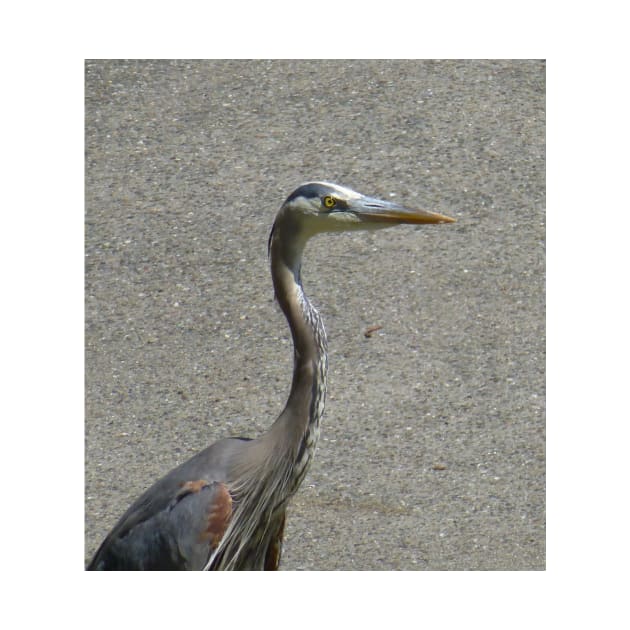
x: 324, y: 207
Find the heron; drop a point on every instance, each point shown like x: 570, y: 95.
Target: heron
x: 225, y: 508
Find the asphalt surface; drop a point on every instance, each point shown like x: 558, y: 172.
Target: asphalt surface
x: 432, y: 453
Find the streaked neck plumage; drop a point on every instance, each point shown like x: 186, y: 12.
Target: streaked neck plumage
x: 297, y: 427
x: 274, y: 465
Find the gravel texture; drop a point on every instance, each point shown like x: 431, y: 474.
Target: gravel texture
x: 432, y: 454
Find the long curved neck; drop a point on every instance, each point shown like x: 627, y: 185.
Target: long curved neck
x: 273, y: 465
x: 297, y: 427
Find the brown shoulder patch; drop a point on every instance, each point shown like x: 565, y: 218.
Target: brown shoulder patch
x: 219, y: 515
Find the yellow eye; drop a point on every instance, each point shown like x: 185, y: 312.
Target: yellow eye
x: 330, y: 202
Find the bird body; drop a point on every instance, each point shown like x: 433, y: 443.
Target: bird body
x: 224, y: 509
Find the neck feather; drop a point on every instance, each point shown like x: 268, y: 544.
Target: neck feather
x: 297, y: 427
x: 277, y: 461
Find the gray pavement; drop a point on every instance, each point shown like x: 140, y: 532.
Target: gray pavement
x: 432, y: 454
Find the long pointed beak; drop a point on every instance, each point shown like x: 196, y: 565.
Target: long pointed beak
x: 373, y: 210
